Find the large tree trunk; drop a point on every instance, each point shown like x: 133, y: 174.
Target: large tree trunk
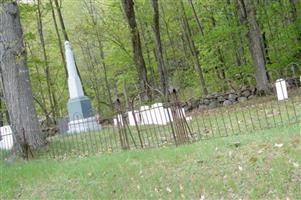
x: 160, y: 59
x: 15, y: 76
x: 248, y: 16
x: 128, y: 6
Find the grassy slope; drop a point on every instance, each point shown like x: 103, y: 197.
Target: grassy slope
x: 210, y: 168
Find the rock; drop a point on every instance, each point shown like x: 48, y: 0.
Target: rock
x: 251, y: 97
x: 246, y: 93
x: 221, y: 99
x: 202, y: 107
x: 206, y: 101
x: 232, y: 97
x: 244, y: 87
x: 227, y: 103
x: 242, y: 99
x: 213, y: 104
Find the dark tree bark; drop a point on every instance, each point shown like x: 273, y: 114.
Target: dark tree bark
x: 247, y: 14
x: 161, y: 64
x: 15, y: 75
x: 128, y: 7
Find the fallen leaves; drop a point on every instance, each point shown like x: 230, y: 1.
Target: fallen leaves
x: 278, y: 145
x: 168, y: 189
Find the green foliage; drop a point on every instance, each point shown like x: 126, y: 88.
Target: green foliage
x: 224, y: 42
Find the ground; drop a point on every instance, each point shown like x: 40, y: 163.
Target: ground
x: 261, y: 165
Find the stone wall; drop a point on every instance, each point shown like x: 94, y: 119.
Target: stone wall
x: 243, y: 94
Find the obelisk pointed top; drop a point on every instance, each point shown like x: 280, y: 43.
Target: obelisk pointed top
x: 74, y: 84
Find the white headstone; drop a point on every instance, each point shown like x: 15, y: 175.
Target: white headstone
x: 281, y: 89
x: 7, y: 141
x: 159, y: 114
x: 131, y: 117
x: 119, y: 118
x: 146, y: 115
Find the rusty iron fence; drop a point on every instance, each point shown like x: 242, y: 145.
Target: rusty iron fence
x: 168, y: 121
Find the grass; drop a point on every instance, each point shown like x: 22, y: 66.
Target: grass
x: 223, y: 121
x: 265, y: 165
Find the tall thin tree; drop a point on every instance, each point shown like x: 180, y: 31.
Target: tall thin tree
x: 247, y: 12
x: 161, y: 63
x: 128, y: 7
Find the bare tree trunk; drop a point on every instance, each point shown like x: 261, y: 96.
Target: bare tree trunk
x: 248, y: 15
x: 51, y: 95
x: 58, y: 9
x: 128, y: 6
x: 58, y: 38
x: 168, y: 33
x: 161, y: 63
x: 188, y: 35
x: 236, y: 37
x: 42, y: 104
x: 196, y: 17
x: 93, y: 15
x: 16, y: 82
x: 145, y: 37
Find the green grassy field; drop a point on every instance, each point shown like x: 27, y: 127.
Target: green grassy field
x: 262, y: 165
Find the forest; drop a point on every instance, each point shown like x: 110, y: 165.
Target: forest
x: 126, y: 47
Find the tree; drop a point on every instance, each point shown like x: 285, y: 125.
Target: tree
x: 128, y: 7
x: 159, y: 54
x: 15, y: 78
x: 51, y: 95
x: 247, y: 12
x: 193, y: 49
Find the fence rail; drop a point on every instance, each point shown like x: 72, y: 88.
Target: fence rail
x: 167, y: 123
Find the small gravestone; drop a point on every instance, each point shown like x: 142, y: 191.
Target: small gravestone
x: 145, y: 115
x: 6, y: 142
x: 131, y: 115
x: 281, y: 89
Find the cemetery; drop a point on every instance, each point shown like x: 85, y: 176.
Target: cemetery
x: 129, y: 99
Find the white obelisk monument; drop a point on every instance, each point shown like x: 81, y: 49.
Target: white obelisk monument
x: 81, y: 118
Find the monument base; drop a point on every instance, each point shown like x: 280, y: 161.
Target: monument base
x: 83, y: 125
x: 79, y: 108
